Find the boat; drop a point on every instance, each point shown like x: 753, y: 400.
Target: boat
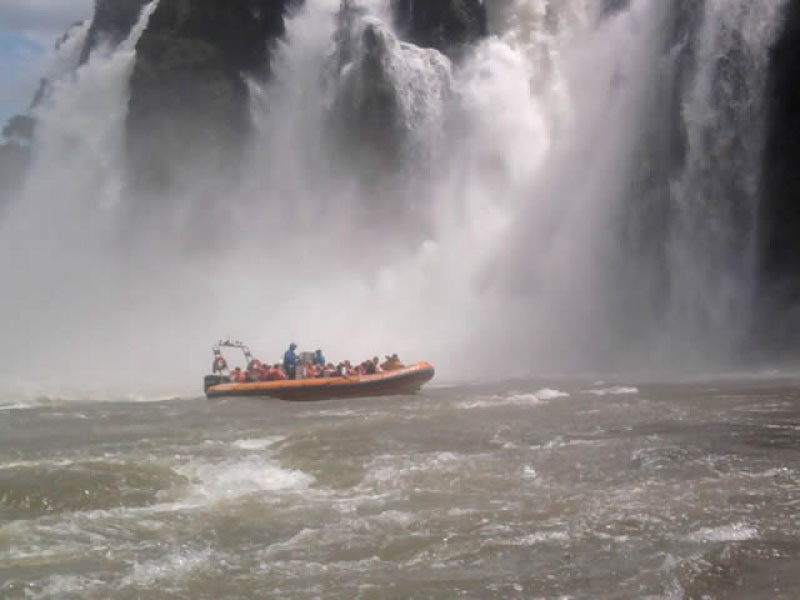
x: 406, y: 380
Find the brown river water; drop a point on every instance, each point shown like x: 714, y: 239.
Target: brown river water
x: 521, y: 489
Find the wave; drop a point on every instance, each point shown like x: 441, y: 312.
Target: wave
x: 515, y: 398
x: 617, y: 390
x: 735, y: 532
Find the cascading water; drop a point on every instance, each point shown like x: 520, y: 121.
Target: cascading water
x: 470, y: 213
x: 64, y: 292
x: 712, y: 239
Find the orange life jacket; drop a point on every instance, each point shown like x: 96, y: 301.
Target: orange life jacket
x: 276, y: 375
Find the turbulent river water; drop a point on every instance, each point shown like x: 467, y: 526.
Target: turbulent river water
x: 520, y: 489
x: 577, y: 194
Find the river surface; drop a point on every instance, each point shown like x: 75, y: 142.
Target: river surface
x: 521, y: 489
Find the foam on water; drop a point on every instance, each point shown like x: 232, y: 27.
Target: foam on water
x: 16, y: 406
x: 735, y: 532
x: 532, y: 539
x: 258, y: 443
x: 516, y: 398
x: 234, y: 478
x: 616, y: 390
x: 171, y: 567
x: 59, y: 586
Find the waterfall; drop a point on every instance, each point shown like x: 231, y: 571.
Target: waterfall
x: 712, y: 237
x: 390, y: 199
x: 57, y: 235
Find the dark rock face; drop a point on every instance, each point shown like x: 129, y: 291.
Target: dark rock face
x: 14, y: 161
x: 19, y: 129
x: 447, y: 25
x: 15, y: 155
x: 780, y: 204
x: 188, y: 89
x: 112, y: 22
x: 365, y: 120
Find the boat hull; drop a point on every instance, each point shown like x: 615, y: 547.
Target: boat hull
x: 402, y: 381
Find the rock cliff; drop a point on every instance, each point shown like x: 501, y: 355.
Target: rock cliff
x: 780, y: 203
x: 447, y: 25
x: 111, y: 23
x: 188, y: 90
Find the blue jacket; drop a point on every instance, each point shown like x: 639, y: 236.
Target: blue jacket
x: 290, y: 358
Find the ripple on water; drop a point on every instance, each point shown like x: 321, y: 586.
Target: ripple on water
x: 29, y: 490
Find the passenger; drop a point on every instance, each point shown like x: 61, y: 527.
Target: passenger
x: 263, y: 373
x: 370, y: 368
x: 254, y: 369
x: 319, y: 358
x: 237, y: 376
x: 392, y: 363
x: 376, y: 362
x: 329, y: 371
x: 290, y: 361
x: 276, y: 373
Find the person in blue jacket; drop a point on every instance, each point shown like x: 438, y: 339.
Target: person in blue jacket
x: 290, y: 362
x: 319, y: 358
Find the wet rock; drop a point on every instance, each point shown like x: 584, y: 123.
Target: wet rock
x: 19, y: 128
x: 14, y: 161
x: 447, y: 25
x: 387, y: 93
x: 780, y: 203
x: 111, y: 24
x: 188, y: 87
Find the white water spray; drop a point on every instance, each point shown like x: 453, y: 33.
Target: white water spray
x: 712, y: 240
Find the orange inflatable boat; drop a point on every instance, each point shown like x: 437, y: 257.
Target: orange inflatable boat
x: 402, y: 381
x: 406, y: 380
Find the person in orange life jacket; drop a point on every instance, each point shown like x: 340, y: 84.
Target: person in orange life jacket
x: 276, y: 373
x: 237, y: 375
x: 263, y: 373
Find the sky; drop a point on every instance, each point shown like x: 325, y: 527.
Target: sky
x: 28, y: 30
